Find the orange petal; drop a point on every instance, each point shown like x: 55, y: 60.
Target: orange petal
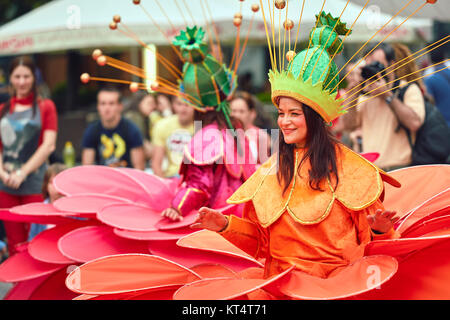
x: 128, y: 272
x: 365, y: 274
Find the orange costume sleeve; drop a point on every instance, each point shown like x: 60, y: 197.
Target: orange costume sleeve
x: 246, y: 233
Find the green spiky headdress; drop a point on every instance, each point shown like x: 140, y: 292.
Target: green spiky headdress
x: 207, y: 82
x: 311, y: 75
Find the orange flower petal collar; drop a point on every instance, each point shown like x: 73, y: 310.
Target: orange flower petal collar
x: 360, y: 185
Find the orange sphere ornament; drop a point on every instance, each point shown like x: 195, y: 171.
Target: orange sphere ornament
x: 96, y: 53
x: 154, y: 86
x: 113, y: 25
x: 117, y: 18
x: 134, y: 87
x: 101, y: 61
x: 137, y: 2
x: 237, y: 22
x: 238, y: 15
x: 290, y: 55
x: 288, y: 24
x: 431, y: 1
x: 255, y: 7
x: 280, y: 4
x: 85, y: 77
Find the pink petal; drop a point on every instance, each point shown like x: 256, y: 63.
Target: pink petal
x: 88, y: 243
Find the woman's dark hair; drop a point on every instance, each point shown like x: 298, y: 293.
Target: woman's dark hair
x: 52, y: 171
x: 112, y: 88
x: 388, y: 50
x: 211, y: 116
x: 321, y: 152
x: 28, y: 62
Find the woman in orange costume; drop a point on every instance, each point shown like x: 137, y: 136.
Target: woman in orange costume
x: 296, y: 223
x: 316, y: 203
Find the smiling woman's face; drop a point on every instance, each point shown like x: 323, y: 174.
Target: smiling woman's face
x: 291, y: 121
x: 22, y: 80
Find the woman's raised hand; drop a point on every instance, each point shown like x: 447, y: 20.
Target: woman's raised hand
x: 382, y: 221
x: 210, y: 219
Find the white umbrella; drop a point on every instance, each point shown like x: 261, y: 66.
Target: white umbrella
x: 77, y: 24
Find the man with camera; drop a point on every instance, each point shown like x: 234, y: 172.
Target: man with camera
x: 382, y: 115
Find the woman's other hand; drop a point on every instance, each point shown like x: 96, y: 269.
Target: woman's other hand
x: 382, y: 221
x: 15, y: 180
x: 4, y: 176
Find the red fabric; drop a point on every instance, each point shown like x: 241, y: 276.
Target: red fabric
x: 419, y: 184
x: 53, y: 288
x: 23, y: 101
x: 44, y: 247
x: 425, y: 274
x: 47, y: 287
x: 401, y: 248
x: 16, y: 232
x: 24, y: 289
x: 22, y: 266
x: 428, y: 226
x: 165, y: 293
x: 49, y: 116
x: 435, y: 206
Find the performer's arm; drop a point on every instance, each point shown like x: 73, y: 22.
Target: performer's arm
x: 246, y: 234
x: 195, y: 190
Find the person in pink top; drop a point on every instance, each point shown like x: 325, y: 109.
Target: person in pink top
x: 215, y: 164
x: 243, y: 107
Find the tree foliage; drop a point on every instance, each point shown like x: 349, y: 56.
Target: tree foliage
x: 11, y: 9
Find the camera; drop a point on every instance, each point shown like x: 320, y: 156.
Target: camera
x: 370, y: 70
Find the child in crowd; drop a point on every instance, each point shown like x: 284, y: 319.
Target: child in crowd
x: 49, y: 193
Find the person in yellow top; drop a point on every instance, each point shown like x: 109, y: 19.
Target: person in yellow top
x: 315, y: 204
x: 170, y: 136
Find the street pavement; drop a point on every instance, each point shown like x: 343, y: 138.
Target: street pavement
x: 4, y: 288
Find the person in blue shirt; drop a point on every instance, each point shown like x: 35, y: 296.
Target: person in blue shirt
x: 438, y: 84
x: 113, y: 140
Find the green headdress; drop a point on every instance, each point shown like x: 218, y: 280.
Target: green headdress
x: 311, y: 75
x: 205, y: 81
